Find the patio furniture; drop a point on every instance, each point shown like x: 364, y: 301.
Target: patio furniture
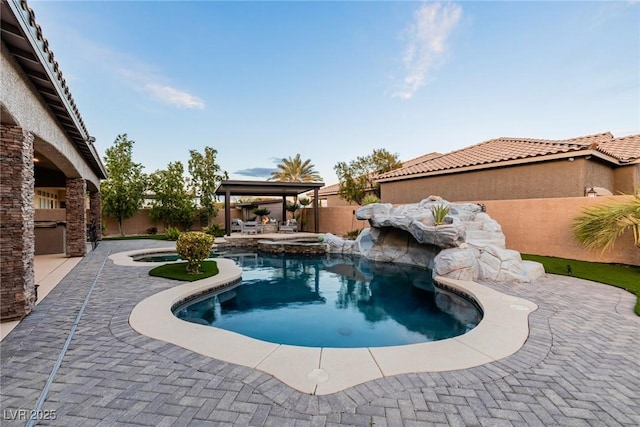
x: 290, y: 226
x: 251, y: 227
x: 236, y: 225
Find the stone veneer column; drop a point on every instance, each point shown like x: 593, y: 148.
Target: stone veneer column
x: 95, y: 209
x: 76, y: 217
x: 17, y: 241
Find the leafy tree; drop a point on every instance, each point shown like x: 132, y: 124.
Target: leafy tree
x: 174, y: 203
x: 357, y: 178
x: 123, y: 190
x: 599, y: 226
x: 206, y: 175
x: 295, y: 170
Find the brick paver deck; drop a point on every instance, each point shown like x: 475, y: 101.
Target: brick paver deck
x: 579, y: 367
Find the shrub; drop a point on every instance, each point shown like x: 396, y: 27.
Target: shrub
x: 172, y: 233
x: 439, y: 212
x: 352, y: 235
x: 194, y: 247
x: 152, y: 230
x: 370, y: 198
x: 214, y: 229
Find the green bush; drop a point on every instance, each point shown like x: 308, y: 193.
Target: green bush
x: 172, y: 233
x: 369, y: 199
x: 194, y: 247
x: 214, y: 229
x: 352, y: 235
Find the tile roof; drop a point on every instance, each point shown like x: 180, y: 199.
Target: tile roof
x: 505, y: 149
x: 626, y: 148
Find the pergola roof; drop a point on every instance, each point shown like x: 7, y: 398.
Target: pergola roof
x: 266, y: 188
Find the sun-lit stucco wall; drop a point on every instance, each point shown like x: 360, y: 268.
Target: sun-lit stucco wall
x: 558, y: 178
x: 543, y: 227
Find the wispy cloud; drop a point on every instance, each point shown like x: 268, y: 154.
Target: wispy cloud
x: 130, y: 71
x: 256, y: 172
x: 173, y: 96
x: 426, y: 44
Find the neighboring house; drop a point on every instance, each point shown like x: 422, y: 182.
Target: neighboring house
x: 49, y: 163
x: 329, y: 195
x: 521, y: 168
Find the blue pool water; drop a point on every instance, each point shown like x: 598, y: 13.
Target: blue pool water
x: 333, y: 302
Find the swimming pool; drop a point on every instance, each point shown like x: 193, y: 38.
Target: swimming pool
x: 333, y: 302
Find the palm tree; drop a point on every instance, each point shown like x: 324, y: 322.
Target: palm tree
x: 599, y: 226
x: 295, y: 170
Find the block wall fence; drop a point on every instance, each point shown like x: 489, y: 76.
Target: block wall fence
x: 531, y: 226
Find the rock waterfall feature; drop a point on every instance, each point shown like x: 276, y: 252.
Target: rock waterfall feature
x: 467, y: 245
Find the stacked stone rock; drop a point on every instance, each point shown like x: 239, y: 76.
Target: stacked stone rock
x: 469, y: 246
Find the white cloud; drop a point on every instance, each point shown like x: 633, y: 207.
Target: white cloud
x: 426, y: 44
x: 173, y: 96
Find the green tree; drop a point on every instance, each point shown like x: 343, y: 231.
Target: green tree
x: 295, y: 170
x: 206, y: 176
x: 357, y: 178
x: 599, y: 226
x: 123, y: 191
x: 174, y: 204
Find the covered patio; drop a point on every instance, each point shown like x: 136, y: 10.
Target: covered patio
x: 267, y: 188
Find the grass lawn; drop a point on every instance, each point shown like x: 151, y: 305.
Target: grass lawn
x: 177, y: 271
x: 621, y: 276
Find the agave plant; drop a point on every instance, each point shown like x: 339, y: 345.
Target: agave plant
x: 599, y: 226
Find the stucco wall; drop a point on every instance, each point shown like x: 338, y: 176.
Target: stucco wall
x: 337, y: 220
x: 560, y: 178
x: 141, y: 221
x: 627, y: 179
x: 543, y: 227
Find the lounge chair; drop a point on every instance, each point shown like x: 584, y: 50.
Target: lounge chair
x: 290, y: 226
x: 251, y: 227
x: 236, y: 225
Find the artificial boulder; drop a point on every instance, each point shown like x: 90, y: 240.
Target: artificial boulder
x: 467, y: 244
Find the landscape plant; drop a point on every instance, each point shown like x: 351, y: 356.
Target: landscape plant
x: 173, y: 203
x: 172, y: 233
x: 369, y: 199
x: 357, y: 178
x: 599, y: 226
x: 261, y: 212
x: 123, y: 190
x: 439, y: 213
x: 292, y: 207
x: 206, y: 176
x: 295, y: 170
x: 194, y: 247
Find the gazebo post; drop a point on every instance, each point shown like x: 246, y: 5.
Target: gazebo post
x: 227, y: 212
x: 284, y: 208
x: 315, y: 210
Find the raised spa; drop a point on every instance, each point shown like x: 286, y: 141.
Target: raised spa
x: 333, y: 302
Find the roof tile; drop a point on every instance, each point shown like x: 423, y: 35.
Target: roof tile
x: 505, y: 149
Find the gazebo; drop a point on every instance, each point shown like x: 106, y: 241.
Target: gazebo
x: 267, y: 188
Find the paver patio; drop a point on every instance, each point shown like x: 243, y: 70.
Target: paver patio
x: 579, y: 367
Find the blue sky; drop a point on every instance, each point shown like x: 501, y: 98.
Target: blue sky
x: 260, y: 81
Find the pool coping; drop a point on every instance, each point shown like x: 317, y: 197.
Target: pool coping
x: 323, y: 371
